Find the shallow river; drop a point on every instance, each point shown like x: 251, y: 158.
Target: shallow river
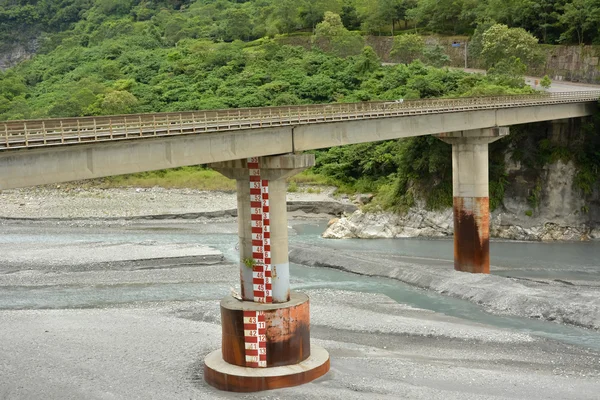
x: 575, y: 261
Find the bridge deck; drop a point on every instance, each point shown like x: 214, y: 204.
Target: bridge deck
x: 69, y: 131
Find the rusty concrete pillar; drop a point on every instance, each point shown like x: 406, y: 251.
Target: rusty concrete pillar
x: 470, y: 176
x: 266, y: 334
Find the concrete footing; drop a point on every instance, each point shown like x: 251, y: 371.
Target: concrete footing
x: 233, y: 378
x: 289, y: 356
x: 286, y: 330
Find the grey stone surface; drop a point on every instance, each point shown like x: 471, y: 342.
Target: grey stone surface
x: 148, y: 203
x: 155, y: 351
x: 114, y: 346
x: 371, y: 225
x: 556, y: 301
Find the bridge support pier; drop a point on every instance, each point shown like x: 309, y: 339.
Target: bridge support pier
x: 470, y: 176
x: 266, y: 333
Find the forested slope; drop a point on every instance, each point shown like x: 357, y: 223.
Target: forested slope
x: 552, y: 21
x: 112, y: 56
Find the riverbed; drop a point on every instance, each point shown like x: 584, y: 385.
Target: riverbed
x: 127, y: 309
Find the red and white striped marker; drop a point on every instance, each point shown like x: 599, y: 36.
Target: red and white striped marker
x: 256, y: 356
x: 255, y: 340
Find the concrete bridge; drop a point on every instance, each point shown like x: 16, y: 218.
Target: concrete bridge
x: 36, y: 152
x: 260, y: 148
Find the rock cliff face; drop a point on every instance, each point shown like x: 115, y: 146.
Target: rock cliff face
x: 11, y: 55
x: 562, y: 214
x: 539, y: 204
x: 572, y: 63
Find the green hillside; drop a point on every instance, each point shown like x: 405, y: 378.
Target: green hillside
x: 99, y: 57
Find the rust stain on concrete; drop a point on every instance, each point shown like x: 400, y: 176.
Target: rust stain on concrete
x: 472, y: 234
x: 288, y: 333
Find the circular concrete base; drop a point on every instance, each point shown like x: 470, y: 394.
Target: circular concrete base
x: 287, y: 330
x: 232, y: 378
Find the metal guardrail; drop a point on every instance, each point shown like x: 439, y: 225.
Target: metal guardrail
x: 67, y: 131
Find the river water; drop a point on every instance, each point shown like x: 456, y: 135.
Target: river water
x: 565, y: 261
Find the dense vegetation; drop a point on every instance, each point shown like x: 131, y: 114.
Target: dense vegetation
x: 114, y: 56
x: 124, y: 56
x: 552, y: 21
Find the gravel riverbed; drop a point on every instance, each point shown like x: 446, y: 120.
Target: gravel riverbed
x: 106, y: 318
x: 71, y: 202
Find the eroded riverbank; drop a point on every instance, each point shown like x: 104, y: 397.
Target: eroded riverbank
x: 552, y: 300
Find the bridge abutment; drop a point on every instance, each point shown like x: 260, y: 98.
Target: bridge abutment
x: 470, y: 184
x: 266, y: 333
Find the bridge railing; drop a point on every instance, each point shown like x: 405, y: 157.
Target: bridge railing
x: 46, y: 132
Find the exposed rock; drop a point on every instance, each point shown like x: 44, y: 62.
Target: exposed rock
x: 417, y: 222
x: 546, y: 232
x: 363, y: 198
x: 17, y: 53
x: 330, y: 207
x: 341, y: 229
x: 558, y: 215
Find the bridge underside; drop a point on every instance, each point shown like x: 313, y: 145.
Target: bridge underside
x: 63, y: 163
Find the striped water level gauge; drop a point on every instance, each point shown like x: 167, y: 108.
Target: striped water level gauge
x: 254, y: 321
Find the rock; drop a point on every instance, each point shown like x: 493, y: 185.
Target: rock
x: 416, y: 222
x: 423, y: 223
x: 342, y: 229
x: 332, y: 221
x: 321, y: 207
x: 18, y: 52
x: 556, y: 216
x: 503, y: 226
x: 364, y: 198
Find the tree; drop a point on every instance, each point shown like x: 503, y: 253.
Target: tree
x: 580, y: 17
x: 350, y: 17
x: 118, y: 102
x: 331, y: 36
x: 500, y: 42
x: 237, y: 25
x: 379, y: 14
x: 435, y: 55
x: 545, y: 82
x: 312, y: 11
x: 11, y: 85
x: 407, y: 48
x: 510, y: 12
x: 402, y: 9
x: 444, y: 16
x: 114, y: 6
x: 286, y: 15
x: 368, y: 61
x: 508, y: 72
